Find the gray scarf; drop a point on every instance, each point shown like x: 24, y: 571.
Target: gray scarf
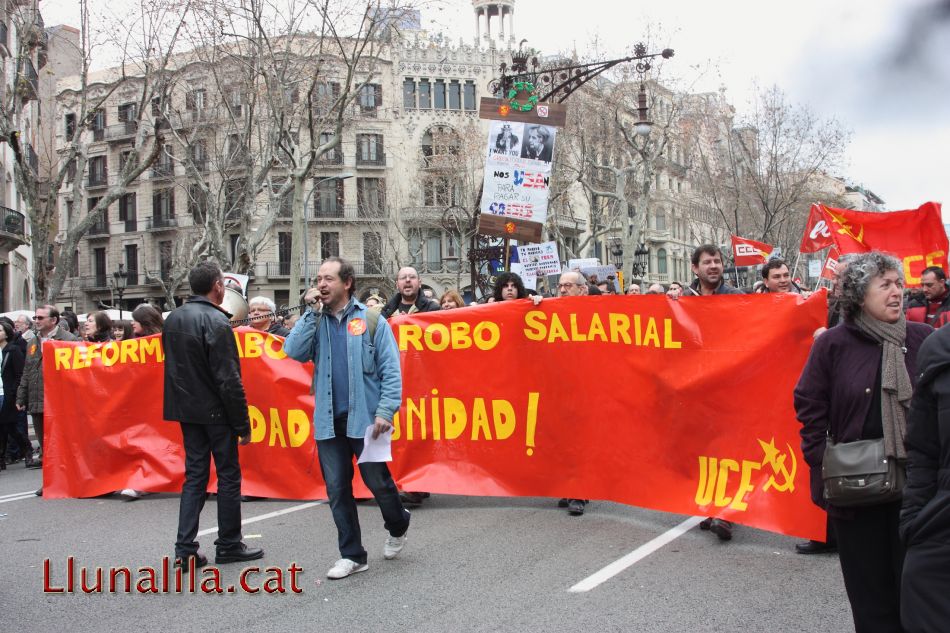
x: 896, y: 388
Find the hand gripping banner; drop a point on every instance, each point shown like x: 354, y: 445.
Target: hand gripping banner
x: 682, y: 406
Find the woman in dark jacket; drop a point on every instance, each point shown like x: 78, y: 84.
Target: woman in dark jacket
x: 925, y: 514
x: 857, y: 384
x: 11, y: 370
x: 98, y: 328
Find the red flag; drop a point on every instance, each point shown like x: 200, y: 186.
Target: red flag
x: 831, y: 265
x: 749, y: 252
x: 916, y: 236
x: 817, y: 234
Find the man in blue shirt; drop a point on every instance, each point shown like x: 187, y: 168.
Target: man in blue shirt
x: 357, y: 385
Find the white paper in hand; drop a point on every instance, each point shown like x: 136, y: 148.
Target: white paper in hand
x: 378, y: 450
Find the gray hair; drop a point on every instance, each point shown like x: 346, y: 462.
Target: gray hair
x: 856, y: 278
x: 270, y: 305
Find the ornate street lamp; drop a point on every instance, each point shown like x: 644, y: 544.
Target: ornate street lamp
x: 616, y: 251
x: 641, y: 262
x: 119, y: 280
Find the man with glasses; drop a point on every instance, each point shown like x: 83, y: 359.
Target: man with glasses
x: 29, y: 395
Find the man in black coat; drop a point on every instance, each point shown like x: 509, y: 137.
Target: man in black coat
x: 204, y: 393
x: 925, y: 511
x: 409, y: 299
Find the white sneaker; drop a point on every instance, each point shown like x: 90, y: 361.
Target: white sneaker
x: 345, y: 567
x: 393, y: 546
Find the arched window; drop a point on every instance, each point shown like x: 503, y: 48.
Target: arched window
x: 661, y: 267
x: 439, y: 141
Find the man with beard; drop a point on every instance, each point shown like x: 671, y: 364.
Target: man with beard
x: 707, y: 266
x: 408, y: 298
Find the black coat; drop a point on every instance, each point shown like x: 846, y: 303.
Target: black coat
x: 925, y: 514
x: 422, y: 304
x: 202, y: 369
x: 11, y: 371
x: 836, y: 387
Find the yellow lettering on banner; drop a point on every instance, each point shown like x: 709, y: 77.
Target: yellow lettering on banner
x: 651, y: 337
x: 597, y: 329
x: 410, y: 333
x: 276, y: 431
x: 575, y: 335
x: 110, y: 354
x: 930, y: 259
x: 725, y: 465
x: 557, y: 330
x: 258, y: 425
x: 485, y: 414
x: 61, y: 355
x: 480, y: 420
x: 253, y: 346
x: 503, y: 415
x: 128, y: 350
x: 298, y: 427
x: 274, y: 348
x: 438, y: 337
x: 619, y: 328
x: 707, y: 480
x: 668, y: 341
x: 151, y: 346
x: 745, y: 485
x: 79, y: 357
x: 637, y: 332
x: 535, y: 328
x: 443, y: 337
x: 455, y: 417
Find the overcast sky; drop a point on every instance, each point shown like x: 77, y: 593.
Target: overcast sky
x: 880, y: 66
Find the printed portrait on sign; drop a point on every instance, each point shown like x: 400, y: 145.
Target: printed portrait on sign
x: 538, y: 143
x: 505, y: 138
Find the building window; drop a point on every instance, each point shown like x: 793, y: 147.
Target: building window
x: 165, y: 260
x: 99, y: 125
x: 455, y: 95
x: 328, y: 200
x: 127, y: 211
x: 433, y: 249
x: 661, y: 221
x: 98, y: 171
x: 70, y: 124
x: 370, y: 98
x: 439, y: 191
x: 369, y: 149
x: 333, y: 156
x: 325, y: 96
x: 661, y: 266
x: 372, y: 253
x: 425, y: 94
x: 371, y: 197
x: 163, y: 205
x: 99, y: 266
x: 234, y: 238
x: 286, y: 201
x: 439, y: 94
x: 329, y: 245
x: 469, y: 96
x: 234, y: 198
x: 409, y: 94
x: 284, y: 251
x: 128, y: 112
x: 132, y: 264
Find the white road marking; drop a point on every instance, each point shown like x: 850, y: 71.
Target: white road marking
x: 17, y: 494
x: 22, y: 496
x: 269, y: 515
x: 635, y: 556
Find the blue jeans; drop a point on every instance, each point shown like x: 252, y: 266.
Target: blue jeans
x: 336, y: 464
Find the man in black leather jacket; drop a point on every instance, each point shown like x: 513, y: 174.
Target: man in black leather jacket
x: 204, y: 393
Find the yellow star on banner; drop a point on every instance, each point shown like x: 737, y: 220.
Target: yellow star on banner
x: 771, y: 453
x: 846, y: 227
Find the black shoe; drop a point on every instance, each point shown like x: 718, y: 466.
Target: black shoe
x: 36, y: 463
x: 238, y: 554
x: 705, y: 523
x: 721, y: 528
x: 200, y: 560
x: 562, y: 503
x: 39, y: 493
x: 412, y: 498
x: 250, y: 498
x: 815, y: 547
x: 575, y: 507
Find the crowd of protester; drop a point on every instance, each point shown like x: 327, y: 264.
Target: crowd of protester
x: 878, y: 370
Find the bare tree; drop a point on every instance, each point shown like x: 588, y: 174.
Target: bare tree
x: 762, y: 171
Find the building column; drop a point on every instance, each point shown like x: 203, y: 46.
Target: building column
x: 501, y: 22
x: 488, y: 20
x: 478, y: 25
x: 511, y: 24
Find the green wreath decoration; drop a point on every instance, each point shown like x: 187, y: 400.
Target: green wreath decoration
x: 518, y: 87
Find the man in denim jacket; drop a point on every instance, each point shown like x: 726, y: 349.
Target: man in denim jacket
x: 357, y: 384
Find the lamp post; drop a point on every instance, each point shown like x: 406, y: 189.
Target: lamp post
x: 616, y: 252
x: 306, y: 202
x: 119, y: 280
x: 641, y: 260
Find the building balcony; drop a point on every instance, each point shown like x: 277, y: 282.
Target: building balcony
x: 374, y: 268
x: 131, y: 226
x: 161, y: 223
x: 351, y: 213
x: 27, y: 80
x: 334, y: 211
x: 32, y: 158
x: 100, y: 179
x: 378, y: 161
x: 425, y: 214
x: 12, y: 228
x: 163, y: 171
x: 333, y: 157
x: 121, y: 131
x: 98, y: 230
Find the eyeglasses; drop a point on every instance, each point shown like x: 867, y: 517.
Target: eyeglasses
x: 39, y: 318
x: 568, y: 284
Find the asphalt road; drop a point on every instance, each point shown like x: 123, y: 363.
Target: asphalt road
x: 471, y: 564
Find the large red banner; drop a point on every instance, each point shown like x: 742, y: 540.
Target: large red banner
x: 683, y: 406
x: 916, y: 236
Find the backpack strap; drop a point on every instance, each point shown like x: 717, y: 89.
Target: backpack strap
x: 372, y: 320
